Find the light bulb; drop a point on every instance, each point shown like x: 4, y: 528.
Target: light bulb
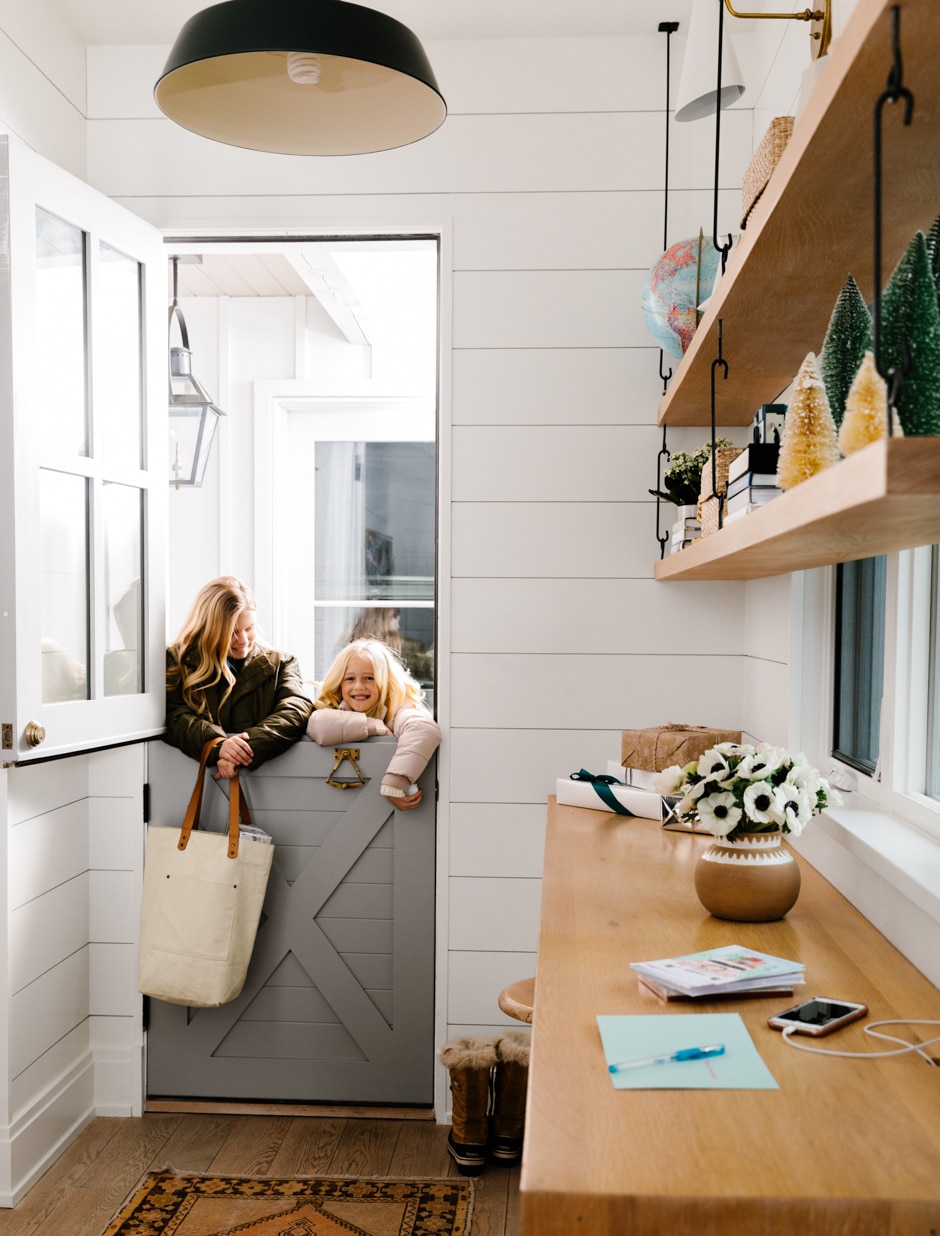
x: 303, y: 68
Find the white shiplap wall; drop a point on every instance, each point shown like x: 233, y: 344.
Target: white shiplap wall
x: 72, y: 1037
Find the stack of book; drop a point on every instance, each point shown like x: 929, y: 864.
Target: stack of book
x: 752, y: 479
x: 728, y: 971
x: 684, y: 531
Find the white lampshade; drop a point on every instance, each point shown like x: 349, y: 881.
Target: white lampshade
x: 698, y: 83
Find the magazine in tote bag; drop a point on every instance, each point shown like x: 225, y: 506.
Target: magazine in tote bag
x: 201, y: 904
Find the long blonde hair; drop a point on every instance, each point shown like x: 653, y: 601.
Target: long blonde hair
x: 207, y: 635
x: 396, y: 687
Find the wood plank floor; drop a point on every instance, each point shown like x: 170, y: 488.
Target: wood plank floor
x: 81, y: 1191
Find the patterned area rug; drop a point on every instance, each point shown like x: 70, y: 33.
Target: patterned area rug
x: 178, y: 1204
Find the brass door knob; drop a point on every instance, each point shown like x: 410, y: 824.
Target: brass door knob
x: 34, y: 734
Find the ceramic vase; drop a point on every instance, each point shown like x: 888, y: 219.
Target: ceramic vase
x: 752, y: 879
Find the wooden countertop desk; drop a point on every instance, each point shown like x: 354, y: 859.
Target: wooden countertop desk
x: 845, y: 1147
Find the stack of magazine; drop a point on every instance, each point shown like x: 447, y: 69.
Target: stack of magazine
x: 729, y: 971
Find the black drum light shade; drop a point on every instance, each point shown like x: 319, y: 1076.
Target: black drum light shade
x: 306, y: 77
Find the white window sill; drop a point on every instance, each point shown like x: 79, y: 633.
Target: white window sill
x: 887, y: 869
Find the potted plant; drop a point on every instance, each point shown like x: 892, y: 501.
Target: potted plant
x: 682, y: 480
x: 748, y: 797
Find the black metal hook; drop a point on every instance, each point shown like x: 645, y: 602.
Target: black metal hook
x: 662, y: 457
x: 895, y: 91
x: 719, y: 361
x: 725, y: 249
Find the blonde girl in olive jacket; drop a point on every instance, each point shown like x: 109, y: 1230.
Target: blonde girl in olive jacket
x: 221, y: 681
x: 367, y: 691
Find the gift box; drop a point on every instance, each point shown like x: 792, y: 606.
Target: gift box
x: 661, y: 746
x: 605, y: 793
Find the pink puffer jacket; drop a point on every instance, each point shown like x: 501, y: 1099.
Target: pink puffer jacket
x: 417, y: 732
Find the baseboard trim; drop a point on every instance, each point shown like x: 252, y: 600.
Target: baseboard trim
x: 214, y: 1107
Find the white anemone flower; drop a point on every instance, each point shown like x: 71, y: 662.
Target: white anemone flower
x: 669, y: 780
x: 761, y: 764
x: 795, y: 807
x: 712, y: 766
x: 736, y: 750
x: 760, y: 804
x: 719, y: 813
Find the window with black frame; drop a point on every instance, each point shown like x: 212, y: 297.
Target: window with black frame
x: 859, y: 661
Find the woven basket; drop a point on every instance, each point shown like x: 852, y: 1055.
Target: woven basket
x: 709, y: 503
x: 765, y: 159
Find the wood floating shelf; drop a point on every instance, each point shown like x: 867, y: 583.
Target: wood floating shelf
x: 813, y: 224
x: 879, y: 500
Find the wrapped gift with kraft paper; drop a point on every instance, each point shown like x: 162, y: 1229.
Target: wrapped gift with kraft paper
x: 661, y: 746
x: 605, y: 792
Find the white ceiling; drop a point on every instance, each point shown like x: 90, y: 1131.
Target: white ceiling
x: 159, y: 21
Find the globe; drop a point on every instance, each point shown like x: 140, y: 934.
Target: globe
x: 674, y: 287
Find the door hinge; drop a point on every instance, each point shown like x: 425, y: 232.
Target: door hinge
x: 146, y: 802
x: 6, y: 742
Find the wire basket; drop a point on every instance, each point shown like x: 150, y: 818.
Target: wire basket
x: 766, y: 157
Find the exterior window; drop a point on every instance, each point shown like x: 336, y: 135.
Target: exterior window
x: 859, y: 661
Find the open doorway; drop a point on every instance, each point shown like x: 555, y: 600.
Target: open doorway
x: 321, y: 493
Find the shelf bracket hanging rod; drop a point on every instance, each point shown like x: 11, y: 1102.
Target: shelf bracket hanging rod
x: 668, y: 28
x: 895, y: 91
x: 718, y: 362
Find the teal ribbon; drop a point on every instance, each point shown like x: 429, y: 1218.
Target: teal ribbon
x: 602, y: 784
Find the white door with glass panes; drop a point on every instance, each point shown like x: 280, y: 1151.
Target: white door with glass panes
x: 83, y: 465
x: 359, y: 528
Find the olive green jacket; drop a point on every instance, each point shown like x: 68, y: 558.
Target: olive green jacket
x: 268, y: 703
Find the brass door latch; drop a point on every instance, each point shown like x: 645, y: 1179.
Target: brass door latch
x: 340, y: 756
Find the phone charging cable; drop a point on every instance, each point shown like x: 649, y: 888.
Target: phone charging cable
x: 903, y: 1050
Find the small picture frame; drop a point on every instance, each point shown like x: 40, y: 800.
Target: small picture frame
x: 768, y: 423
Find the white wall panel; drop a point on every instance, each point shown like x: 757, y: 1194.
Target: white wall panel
x: 767, y: 618
x: 116, y: 831
x: 549, y: 309
x: 477, y: 978
x: 117, y: 772
x: 47, y: 851
x: 37, y: 1081
x: 616, y: 616
x: 552, y: 463
x: 112, y: 980
x: 552, y: 386
x: 114, y: 906
x: 48, y: 1009
x: 593, y: 692
x: 565, y: 540
x: 44, y: 787
x: 496, y: 915
x: 766, y: 687
x: 47, y: 929
x: 43, y: 84
x: 509, y: 154
x: 505, y: 839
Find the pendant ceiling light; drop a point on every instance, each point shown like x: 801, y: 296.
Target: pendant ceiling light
x: 307, y: 77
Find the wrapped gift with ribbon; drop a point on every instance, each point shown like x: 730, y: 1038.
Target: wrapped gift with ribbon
x: 661, y: 746
x: 603, y: 792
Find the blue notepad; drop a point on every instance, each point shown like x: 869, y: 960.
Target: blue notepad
x: 630, y: 1038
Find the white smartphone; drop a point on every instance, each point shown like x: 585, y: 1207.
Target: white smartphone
x: 817, y: 1016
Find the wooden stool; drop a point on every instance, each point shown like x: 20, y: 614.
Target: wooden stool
x: 518, y: 999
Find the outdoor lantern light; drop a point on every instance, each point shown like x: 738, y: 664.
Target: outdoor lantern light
x: 193, y: 416
x: 307, y: 77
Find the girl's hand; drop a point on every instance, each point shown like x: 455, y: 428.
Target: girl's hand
x: 375, y: 726
x: 406, y: 804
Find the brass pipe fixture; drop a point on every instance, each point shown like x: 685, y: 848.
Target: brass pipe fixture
x: 821, y: 17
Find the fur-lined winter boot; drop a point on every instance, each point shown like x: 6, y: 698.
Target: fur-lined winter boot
x: 509, y: 1092
x: 469, y: 1062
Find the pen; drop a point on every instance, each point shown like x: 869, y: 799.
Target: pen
x: 687, y: 1053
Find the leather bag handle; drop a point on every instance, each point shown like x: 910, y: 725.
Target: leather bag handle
x: 237, y: 805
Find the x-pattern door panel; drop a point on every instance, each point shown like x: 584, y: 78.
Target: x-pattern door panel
x: 338, y: 1003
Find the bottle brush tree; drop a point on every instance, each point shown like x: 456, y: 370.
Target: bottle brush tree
x: 933, y: 252
x: 809, y: 432
x: 910, y: 331
x: 848, y: 338
x: 866, y: 409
